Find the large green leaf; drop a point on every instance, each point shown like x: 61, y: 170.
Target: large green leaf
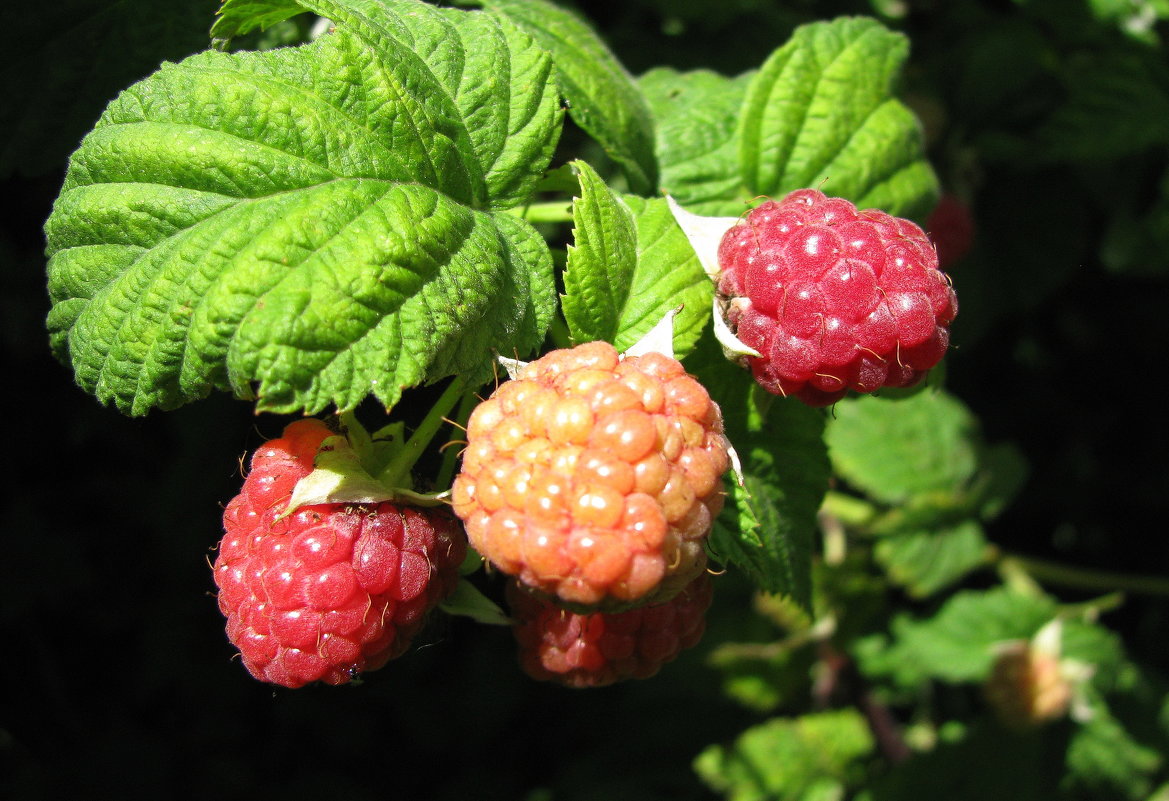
x: 602, y: 97
x: 695, y: 125
x: 769, y: 526
x: 310, y: 225
x: 821, y: 113
x: 927, y: 561
x: 892, y: 449
x: 957, y: 644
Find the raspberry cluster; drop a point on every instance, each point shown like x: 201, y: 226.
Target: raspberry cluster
x: 593, y: 650
x: 330, y: 590
x: 595, y: 477
x: 834, y: 298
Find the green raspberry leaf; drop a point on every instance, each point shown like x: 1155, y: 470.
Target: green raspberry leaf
x: 956, y: 645
x: 602, y: 97
x: 1106, y: 761
x: 309, y: 226
x: 790, y: 759
x: 238, y: 17
x: 601, y: 259
x: 628, y: 266
x: 925, y: 562
x: 1116, y: 104
x: 769, y: 526
x: 821, y: 113
x: 668, y: 276
x: 696, y: 131
x: 893, y: 449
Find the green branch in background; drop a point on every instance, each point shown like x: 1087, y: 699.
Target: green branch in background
x: 451, y: 452
x: 556, y: 211
x: 1050, y: 572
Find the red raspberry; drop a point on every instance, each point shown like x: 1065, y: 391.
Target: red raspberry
x: 595, y: 477
x: 333, y: 589
x: 597, y: 649
x: 951, y: 229
x: 834, y: 298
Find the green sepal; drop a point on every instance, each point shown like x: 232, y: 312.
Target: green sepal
x: 469, y: 601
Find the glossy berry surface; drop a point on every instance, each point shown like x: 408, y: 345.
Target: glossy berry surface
x: 834, y: 298
x: 595, y: 477
x: 592, y: 650
x: 332, y: 590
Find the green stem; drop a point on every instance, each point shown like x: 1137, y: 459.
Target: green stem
x: 561, y: 337
x: 850, y: 511
x: 397, y: 472
x: 1083, y: 578
x: 450, y: 456
x: 557, y: 211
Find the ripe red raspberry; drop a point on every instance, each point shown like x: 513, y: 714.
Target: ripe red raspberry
x: 597, y: 649
x: 834, y: 298
x: 595, y: 477
x: 332, y: 589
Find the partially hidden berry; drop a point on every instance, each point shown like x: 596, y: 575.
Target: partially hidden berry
x: 593, y: 650
x: 595, y: 477
x: 331, y: 590
x: 834, y: 298
x: 1027, y: 687
x: 951, y: 228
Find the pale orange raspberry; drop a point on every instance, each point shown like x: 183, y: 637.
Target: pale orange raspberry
x: 594, y: 477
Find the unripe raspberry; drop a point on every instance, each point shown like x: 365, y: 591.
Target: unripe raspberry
x: 592, y: 650
x: 595, y: 477
x: 333, y: 589
x: 834, y: 298
x: 1027, y: 686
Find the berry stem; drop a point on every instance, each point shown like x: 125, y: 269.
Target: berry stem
x: 1047, y: 571
x: 556, y: 211
x: 848, y: 510
x: 450, y: 456
x: 561, y: 337
x: 397, y: 472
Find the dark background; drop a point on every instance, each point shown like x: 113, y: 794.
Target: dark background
x: 114, y: 665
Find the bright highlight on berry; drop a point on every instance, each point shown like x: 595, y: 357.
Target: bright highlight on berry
x: 334, y: 589
x: 834, y: 298
x: 594, y: 477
